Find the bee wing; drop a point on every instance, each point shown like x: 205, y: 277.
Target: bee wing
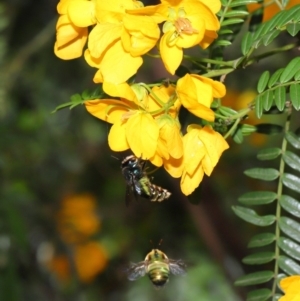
x: 177, y: 267
x: 136, y: 270
x: 130, y: 195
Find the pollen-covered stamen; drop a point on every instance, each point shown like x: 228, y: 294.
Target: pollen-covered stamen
x: 184, y: 25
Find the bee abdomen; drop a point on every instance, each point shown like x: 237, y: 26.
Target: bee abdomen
x: 159, y: 275
x: 158, y: 194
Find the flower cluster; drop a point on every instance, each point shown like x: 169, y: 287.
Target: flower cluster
x: 145, y: 118
x: 146, y: 121
x: 77, y: 222
x: 123, y: 30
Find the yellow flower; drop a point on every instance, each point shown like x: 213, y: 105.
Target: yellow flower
x: 203, y: 148
x: 140, y: 121
x: 90, y: 259
x: 72, y: 36
x: 118, y: 40
x: 77, y: 219
x: 196, y: 94
x: 187, y: 23
x: 290, y: 285
x: 272, y: 9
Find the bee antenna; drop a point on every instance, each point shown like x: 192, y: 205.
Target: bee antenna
x: 115, y: 157
x: 160, y: 242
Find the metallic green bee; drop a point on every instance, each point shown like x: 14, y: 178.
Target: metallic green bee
x: 138, y: 183
x: 158, y: 268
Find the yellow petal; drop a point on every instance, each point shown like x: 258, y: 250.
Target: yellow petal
x: 193, y: 149
x: 82, y: 13
x: 208, y: 38
x: 214, y: 144
x: 189, y: 182
x: 213, y: 5
x: 102, y: 37
x: 142, y: 135
x: 62, y: 6
x: 169, y: 134
x: 108, y: 110
x: 70, y: 39
x: 156, y: 160
x: 122, y: 90
x: 117, y: 66
x: 174, y: 166
x: 117, y: 137
x: 170, y: 55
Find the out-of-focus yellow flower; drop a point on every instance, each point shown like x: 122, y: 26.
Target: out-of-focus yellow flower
x: 60, y: 266
x: 187, y: 23
x: 196, y: 94
x: 90, y: 259
x: 77, y: 219
x: 272, y: 9
x: 290, y: 285
x: 202, y: 149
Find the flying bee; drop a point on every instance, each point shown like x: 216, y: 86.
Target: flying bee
x: 158, y: 268
x: 138, y: 183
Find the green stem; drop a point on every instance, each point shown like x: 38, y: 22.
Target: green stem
x: 278, y: 207
x: 256, y: 58
x: 232, y: 129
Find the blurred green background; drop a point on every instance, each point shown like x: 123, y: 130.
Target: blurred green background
x: 65, y: 232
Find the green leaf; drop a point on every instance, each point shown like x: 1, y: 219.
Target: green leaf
x: 295, y: 96
x: 223, y: 43
x: 259, y: 258
x: 255, y: 278
x: 252, y: 217
x: 268, y: 38
x: 291, y: 248
x: 241, y: 2
x: 257, y: 198
x: 280, y: 97
x: 269, y: 129
x: 269, y: 153
x: 290, y: 70
x: 289, y: 15
x: 268, y: 98
x: 290, y: 227
x: 238, y: 136
x: 292, y: 160
x: 275, y: 78
x: 246, y: 42
x: 261, y: 240
x: 259, y: 106
x: 293, y: 28
x: 263, y: 81
x: 291, y: 181
x: 232, y: 21
x: 247, y: 129
x: 290, y: 205
x: 297, y: 75
x: 266, y: 174
x: 262, y: 294
x: 225, y: 111
x: 288, y: 265
x: 293, y: 139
